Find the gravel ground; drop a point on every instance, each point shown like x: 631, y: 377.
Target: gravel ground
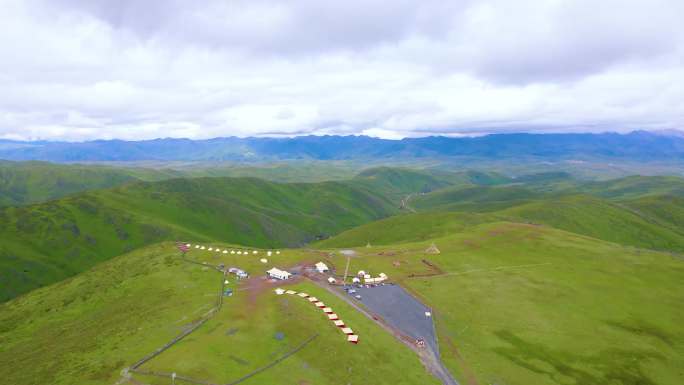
x: 401, y: 310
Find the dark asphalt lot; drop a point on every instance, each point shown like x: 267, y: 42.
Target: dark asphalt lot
x: 400, y: 310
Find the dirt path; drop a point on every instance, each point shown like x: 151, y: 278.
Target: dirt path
x: 428, y: 357
x: 405, y: 203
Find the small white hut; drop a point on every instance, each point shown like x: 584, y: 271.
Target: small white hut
x: 278, y: 274
x: 322, y: 267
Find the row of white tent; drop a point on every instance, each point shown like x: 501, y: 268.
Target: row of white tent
x: 227, y: 251
x: 367, y: 277
x: 351, y: 336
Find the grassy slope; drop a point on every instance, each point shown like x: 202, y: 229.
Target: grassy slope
x: 631, y: 211
x: 474, y: 198
x: 396, y: 183
x: 523, y: 304
x: 46, y: 242
x: 601, y: 219
x: 633, y: 187
x: 86, y: 329
x: 31, y: 182
x: 526, y: 304
x: 405, y: 228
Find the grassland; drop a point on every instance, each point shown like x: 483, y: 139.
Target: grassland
x: 32, y: 182
x: 86, y: 329
x: 513, y: 303
x: 525, y: 304
x: 50, y: 241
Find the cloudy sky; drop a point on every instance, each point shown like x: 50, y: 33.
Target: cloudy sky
x: 135, y: 69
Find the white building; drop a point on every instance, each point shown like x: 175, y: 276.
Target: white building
x: 321, y: 267
x: 278, y: 274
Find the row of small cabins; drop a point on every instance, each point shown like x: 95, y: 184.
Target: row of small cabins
x: 351, y: 336
x: 228, y: 251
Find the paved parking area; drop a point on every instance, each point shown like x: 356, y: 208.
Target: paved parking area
x: 400, y: 310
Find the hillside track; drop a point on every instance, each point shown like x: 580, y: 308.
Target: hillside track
x: 255, y: 285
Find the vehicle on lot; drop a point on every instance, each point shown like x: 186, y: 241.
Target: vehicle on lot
x: 357, y: 296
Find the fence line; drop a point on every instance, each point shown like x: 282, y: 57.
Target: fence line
x: 274, y: 363
x: 211, y: 313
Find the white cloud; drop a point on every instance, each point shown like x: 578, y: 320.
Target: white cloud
x: 77, y: 69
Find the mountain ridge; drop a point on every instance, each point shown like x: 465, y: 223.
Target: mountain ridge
x: 634, y: 145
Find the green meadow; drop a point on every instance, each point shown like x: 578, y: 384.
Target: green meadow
x: 540, y: 280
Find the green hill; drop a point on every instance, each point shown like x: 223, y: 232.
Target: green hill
x: 31, y: 182
x: 474, y: 198
x: 632, y: 187
x: 600, y: 219
x: 396, y: 183
x: 528, y: 304
x: 405, y: 228
x: 665, y: 210
x: 46, y: 242
x: 86, y: 329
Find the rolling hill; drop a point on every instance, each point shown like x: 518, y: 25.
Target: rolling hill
x: 600, y: 219
x: 474, y: 198
x: 46, y: 242
x: 511, y: 302
x: 32, y: 182
x: 636, y: 186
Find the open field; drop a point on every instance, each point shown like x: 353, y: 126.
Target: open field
x: 527, y: 304
x: 513, y: 304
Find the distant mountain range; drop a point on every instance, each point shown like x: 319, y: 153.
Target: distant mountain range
x: 638, y: 145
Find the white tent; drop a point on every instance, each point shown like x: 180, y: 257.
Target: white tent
x: 331, y: 280
x: 321, y: 267
x: 225, y: 251
x: 269, y: 253
x: 239, y: 252
x: 188, y: 245
x: 347, y: 331
x: 279, y: 291
x: 210, y: 249
x: 278, y: 274
x: 255, y: 252
x: 197, y: 246
x: 232, y: 251
x: 278, y: 252
x: 202, y: 248
x: 263, y: 260
x: 356, y: 280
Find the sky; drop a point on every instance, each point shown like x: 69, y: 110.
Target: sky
x: 131, y: 69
